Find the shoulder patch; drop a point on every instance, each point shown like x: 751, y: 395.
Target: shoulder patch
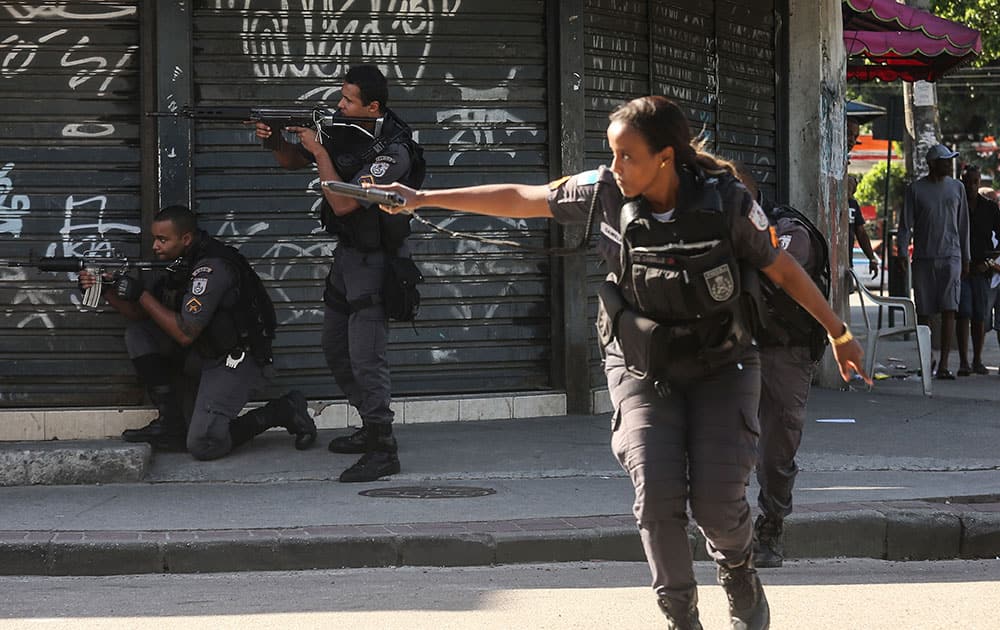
x: 379, y: 169
x: 758, y: 217
x: 199, y: 286
x: 588, y: 178
x: 193, y: 306
x: 201, y: 270
x: 785, y: 240
x: 385, y: 158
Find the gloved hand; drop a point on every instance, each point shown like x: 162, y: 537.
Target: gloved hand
x: 129, y: 287
x: 84, y: 281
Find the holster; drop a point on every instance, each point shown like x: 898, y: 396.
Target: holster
x: 610, y: 304
x: 643, y: 341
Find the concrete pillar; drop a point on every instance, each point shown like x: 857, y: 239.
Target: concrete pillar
x: 571, y: 328
x: 817, y: 147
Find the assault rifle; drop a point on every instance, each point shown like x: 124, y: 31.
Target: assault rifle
x: 99, y: 267
x: 381, y: 197
x: 278, y: 117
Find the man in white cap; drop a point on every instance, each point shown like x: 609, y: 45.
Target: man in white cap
x: 936, y: 216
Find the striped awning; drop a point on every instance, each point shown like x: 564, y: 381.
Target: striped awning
x: 888, y: 41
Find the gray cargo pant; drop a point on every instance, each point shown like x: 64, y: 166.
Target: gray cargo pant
x: 355, y: 341
x: 219, y: 393
x: 786, y: 376
x: 695, y: 446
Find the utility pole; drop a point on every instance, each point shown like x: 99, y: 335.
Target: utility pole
x: 923, y: 124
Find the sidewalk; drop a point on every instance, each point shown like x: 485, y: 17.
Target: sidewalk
x: 910, y: 478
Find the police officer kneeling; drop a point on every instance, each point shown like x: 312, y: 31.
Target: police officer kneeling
x: 204, y: 328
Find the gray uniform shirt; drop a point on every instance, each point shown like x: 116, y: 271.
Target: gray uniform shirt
x: 936, y: 216
x: 207, y: 290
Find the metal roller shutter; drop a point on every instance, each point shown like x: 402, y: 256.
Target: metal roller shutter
x: 616, y: 53
x: 69, y: 186
x: 747, y: 128
x: 470, y: 78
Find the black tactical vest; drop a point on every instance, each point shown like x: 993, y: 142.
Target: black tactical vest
x: 680, y: 284
x: 245, y: 318
x: 368, y: 228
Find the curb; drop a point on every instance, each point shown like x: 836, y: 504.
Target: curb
x: 907, y: 533
x: 72, y: 462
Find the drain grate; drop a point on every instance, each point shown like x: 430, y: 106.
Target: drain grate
x: 428, y: 492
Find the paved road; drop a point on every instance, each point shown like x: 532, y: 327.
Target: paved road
x: 820, y: 595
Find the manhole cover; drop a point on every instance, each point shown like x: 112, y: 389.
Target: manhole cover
x: 428, y: 492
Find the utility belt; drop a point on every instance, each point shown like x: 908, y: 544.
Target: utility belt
x: 661, y: 352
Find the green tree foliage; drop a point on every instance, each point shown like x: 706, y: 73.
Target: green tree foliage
x: 871, y: 188
x: 982, y: 15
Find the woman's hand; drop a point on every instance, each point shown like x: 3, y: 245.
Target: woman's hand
x: 849, y: 358
x: 410, y: 196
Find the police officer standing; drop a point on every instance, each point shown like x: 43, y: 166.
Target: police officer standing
x: 355, y: 328
x: 683, y: 240
x: 791, y: 344
x: 210, y: 319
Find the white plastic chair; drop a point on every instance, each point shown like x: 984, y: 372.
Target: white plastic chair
x: 909, y: 325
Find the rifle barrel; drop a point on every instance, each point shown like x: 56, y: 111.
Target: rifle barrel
x: 381, y: 197
x: 78, y: 263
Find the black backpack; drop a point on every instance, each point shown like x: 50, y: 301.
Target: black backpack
x: 787, y: 323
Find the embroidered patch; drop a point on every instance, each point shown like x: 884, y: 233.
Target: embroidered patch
x: 379, y: 169
x: 720, y: 283
x: 785, y: 240
x: 201, y: 270
x: 611, y: 233
x: 757, y: 217
x: 198, y: 286
x: 774, y: 237
x: 193, y: 306
x: 385, y: 158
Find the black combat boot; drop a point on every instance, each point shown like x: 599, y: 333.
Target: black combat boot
x: 353, y: 444
x: 768, y: 545
x: 748, y: 608
x: 380, y: 458
x: 289, y: 412
x: 681, y: 615
x: 168, y: 431
x: 300, y: 424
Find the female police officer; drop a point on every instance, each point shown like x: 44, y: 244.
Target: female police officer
x: 683, y: 240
